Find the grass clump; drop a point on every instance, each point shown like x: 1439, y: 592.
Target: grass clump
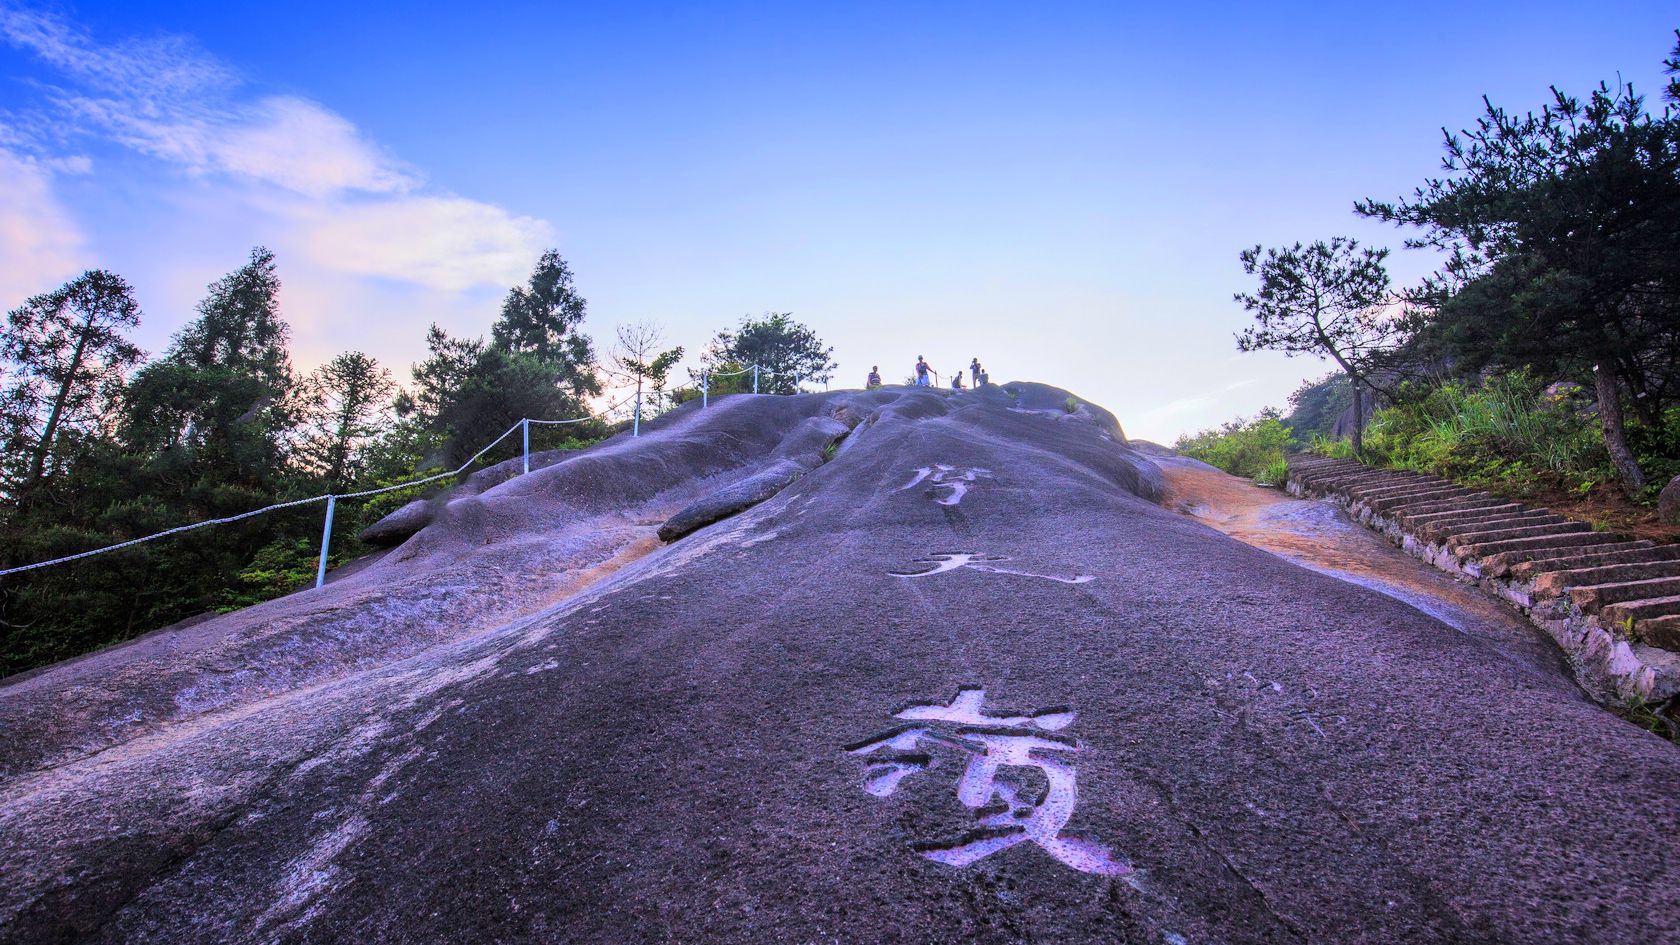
x: 1509, y: 432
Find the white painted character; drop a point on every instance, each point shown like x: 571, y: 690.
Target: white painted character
x: 945, y: 561
x: 999, y: 748
x: 955, y: 481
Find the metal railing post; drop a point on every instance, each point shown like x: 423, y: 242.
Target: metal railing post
x: 636, y: 425
x: 326, y: 540
x: 755, y: 378
x: 705, y: 389
x: 525, y: 431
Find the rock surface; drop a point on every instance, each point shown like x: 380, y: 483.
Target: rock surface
x: 1668, y: 502
x: 401, y: 525
x: 731, y: 499
x: 471, y: 740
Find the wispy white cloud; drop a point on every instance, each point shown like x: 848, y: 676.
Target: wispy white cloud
x: 326, y: 186
x: 156, y: 69
x: 1192, y: 404
x: 39, y: 243
x: 305, y: 148
x: 167, y: 98
x: 442, y: 242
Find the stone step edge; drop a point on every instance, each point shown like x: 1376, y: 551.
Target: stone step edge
x: 1609, y: 660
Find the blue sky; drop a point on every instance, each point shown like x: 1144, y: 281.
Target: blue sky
x: 1061, y: 189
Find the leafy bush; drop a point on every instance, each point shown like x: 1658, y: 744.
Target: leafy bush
x: 1254, y: 449
x: 1509, y: 431
x: 1658, y: 449
x: 279, y: 568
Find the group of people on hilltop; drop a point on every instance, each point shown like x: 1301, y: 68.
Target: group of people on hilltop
x: 925, y: 374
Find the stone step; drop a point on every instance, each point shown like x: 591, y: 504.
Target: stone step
x: 1455, y: 515
x: 1541, y: 543
x: 1628, y: 613
x: 1313, y: 469
x: 1432, y: 494
x: 1440, y: 529
x: 1469, y: 503
x: 1481, y: 535
x: 1632, y: 585
x: 1391, y: 488
x: 1597, y: 596
x: 1611, y: 552
x: 1659, y: 631
x: 1369, y: 497
x: 1357, y: 471
x: 1552, y: 583
x: 1345, y: 479
x: 1325, y: 465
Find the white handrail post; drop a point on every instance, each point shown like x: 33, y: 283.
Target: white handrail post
x: 755, y: 378
x: 525, y: 432
x: 326, y: 539
x: 705, y: 389
x: 636, y: 425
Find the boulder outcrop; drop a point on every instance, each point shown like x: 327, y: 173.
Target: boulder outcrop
x: 959, y: 680
x: 1668, y: 503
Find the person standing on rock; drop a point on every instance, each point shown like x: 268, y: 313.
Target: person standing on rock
x: 974, y: 371
x: 874, y: 380
x: 923, y: 370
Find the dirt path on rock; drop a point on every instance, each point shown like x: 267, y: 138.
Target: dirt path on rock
x: 1319, y: 536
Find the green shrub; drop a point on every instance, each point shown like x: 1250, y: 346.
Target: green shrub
x: 279, y: 568
x: 1275, y: 473
x: 1507, y: 432
x: 1254, y: 449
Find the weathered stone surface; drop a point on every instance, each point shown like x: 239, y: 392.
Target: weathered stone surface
x: 1544, y: 543
x: 1482, y: 535
x: 1660, y: 631
x: 474, y: 750
x: 1552, y: 583
x: 1668, y: 502
x: 1530, y: 557
x: 399, y: 526
x: 1624, y: 613
x: 1594, y: 596
x: 731, y: 499
x: 1449, y: 528
x: 1610, y: 552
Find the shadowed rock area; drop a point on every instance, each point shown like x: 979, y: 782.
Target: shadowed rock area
x: 913, y: 667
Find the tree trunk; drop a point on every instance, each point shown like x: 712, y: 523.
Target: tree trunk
x: 1358, y: 418
x: 1615, y: 434
x: 38, y: 463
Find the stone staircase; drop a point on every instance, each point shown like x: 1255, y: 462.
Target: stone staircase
x: 1611, y: 603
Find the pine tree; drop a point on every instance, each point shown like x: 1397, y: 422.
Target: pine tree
x: 341, y: 405
x: 66, y: 358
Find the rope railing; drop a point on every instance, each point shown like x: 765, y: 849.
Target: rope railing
x: 331, y: 499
